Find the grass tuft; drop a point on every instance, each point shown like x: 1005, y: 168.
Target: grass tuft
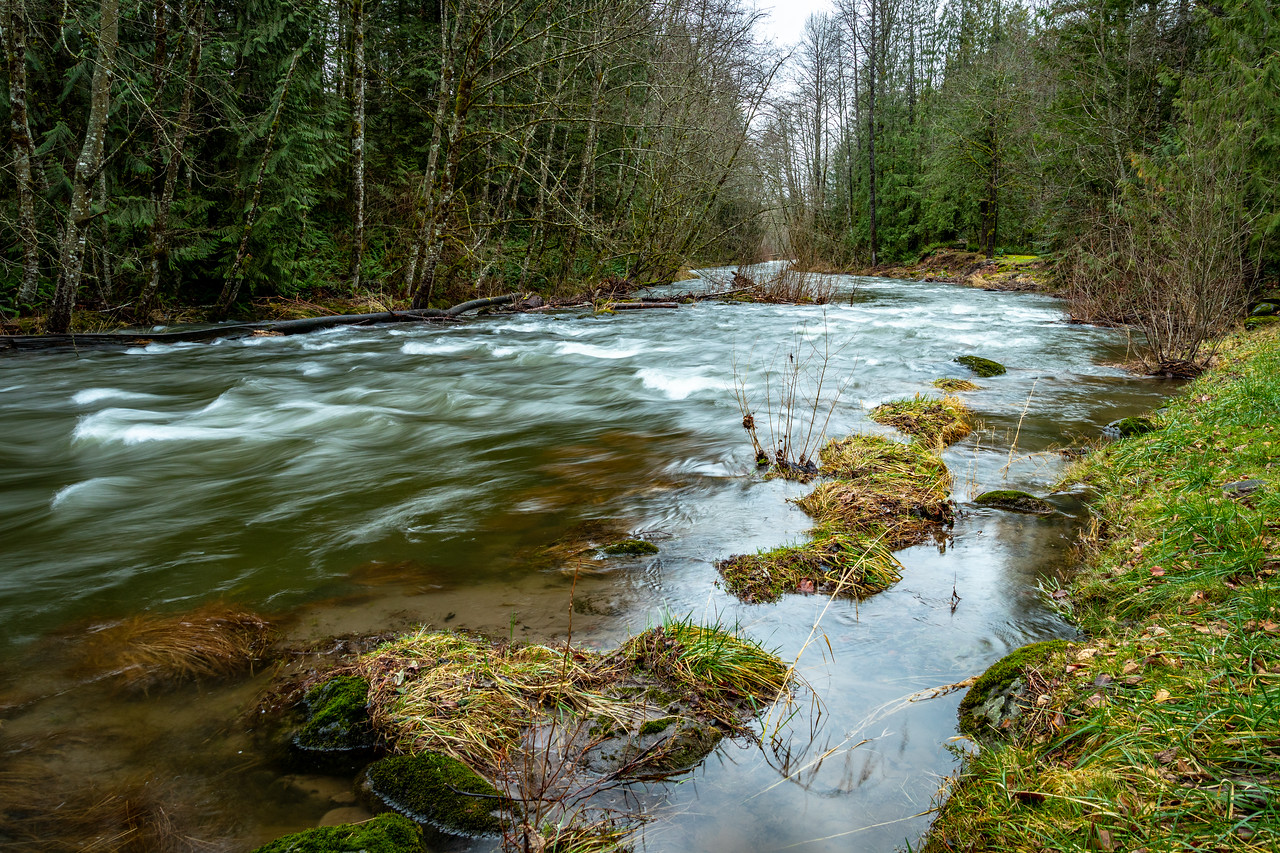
x: 933, y: 423
x: 885, y: 496
x: 149, y: 651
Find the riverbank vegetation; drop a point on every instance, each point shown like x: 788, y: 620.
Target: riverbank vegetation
x: 1157, y: 729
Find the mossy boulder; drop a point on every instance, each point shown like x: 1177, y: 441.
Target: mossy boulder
x: 386, y: 833
x: 1129, y: 427
x: 1258, y: 322
x: 436, y: 790
x: 983, y: 367
x: 1014, y: 501
x: 337, y: 729
x: 1264, y: 309
x: 630, y: 548
x: 993, y: 702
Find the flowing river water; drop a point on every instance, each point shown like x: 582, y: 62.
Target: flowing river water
x: 365, y: 480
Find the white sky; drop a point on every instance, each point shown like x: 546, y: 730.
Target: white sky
x: 786, y: 18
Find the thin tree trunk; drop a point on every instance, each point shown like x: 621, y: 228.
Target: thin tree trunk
x: 231, y: 289
x: 86, y: 171
x: 871, y: 129
x: 357, y: 139
x: 177, y: 144
x: 15, y: 44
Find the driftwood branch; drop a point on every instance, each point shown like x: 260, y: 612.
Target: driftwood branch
x: 14, y: 343
x: 635, y: 306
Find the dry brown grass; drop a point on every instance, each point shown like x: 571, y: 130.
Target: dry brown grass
x: 147, y: 651
x: 41, y: 813
x: 472, y: 699
x: 934, y: 423
x: 905, y: 517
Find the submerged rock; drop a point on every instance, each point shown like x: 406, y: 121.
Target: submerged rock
x: 1128, y: 427
x: 1014, y: 501
x: 386, y: 833
x: 983, y: 367
x: 337, y: 731
x: 660, y: 746
x: 435, y: 789
x: 995, y: 699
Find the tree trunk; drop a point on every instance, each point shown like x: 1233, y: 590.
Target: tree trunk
x: 176, y: 146
x: 15, y: 43
x: 231, y: 290
x: 357, y: 139
x: 86, y: 171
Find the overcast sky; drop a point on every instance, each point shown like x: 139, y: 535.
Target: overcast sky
x: 786, y: 18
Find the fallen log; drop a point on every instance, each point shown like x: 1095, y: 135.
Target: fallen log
x: 636, y: 306
x: 16, y: 343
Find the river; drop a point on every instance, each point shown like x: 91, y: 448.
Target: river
x: 361, y: 480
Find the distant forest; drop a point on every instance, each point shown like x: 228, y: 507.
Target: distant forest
x: 202, y: 152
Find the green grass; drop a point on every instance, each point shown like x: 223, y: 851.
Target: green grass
x: 1162, y: 730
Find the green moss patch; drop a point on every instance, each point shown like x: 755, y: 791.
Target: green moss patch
x: 1129, y: 427
x: 830, y: 563
x: 992, y: 700
x: 952, y: 385
x: 934, y: 423
x: 386, y: 833
x: 337, y: 718
x: 439, y: 790
x: 983, y: 367
x: 630, y: 548
x: 1014, y: 501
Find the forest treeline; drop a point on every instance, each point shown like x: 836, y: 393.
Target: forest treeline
x: 200, y: 152
x: 1137, y: 140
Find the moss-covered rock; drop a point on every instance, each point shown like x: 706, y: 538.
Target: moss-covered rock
x: 337, y: 729
x: 1264, y: 309
x: 691, y: 742
x: 1128, y: 427
x: 1014, y: 501
x: 1258, y: 322
x: 991, y: 704
x: 630, y: 548
x: 386, y: 833
x: 438, y: 790
x: 983, y: 367
x: 953, y: 384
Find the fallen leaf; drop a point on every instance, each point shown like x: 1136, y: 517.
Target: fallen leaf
x: 1131, y: 667
x: 1095, y: 700
x: 1085, y: 654
x: 805, y: 585
x: 1166, y: 756
x: 1157, y: 572
x: 1042, y: 699
x: 1162, y: 695
x: 1030, y: 797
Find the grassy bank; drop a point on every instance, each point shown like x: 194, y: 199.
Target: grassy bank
x: 1161, y: 730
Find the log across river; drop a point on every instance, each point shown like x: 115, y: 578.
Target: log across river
x: 364, y: 479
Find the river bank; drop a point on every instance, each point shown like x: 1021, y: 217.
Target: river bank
x: 1160, y: 730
